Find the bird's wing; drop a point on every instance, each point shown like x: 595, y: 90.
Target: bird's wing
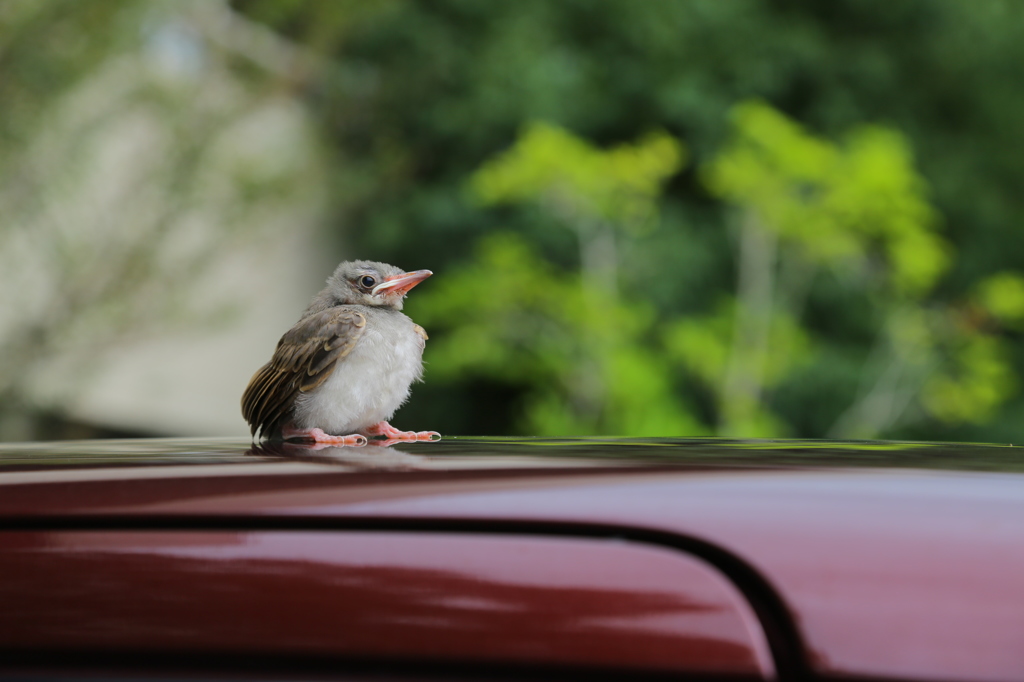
x: 305, y: 356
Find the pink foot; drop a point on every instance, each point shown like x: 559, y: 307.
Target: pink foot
x: 393, y: 434
x: 318, y: 436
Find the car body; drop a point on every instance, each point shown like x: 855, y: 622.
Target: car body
x: 499, y: 558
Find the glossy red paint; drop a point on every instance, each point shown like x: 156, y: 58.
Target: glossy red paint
x: 892, y: 573
x: 897, y: 574
x: 393, y: 596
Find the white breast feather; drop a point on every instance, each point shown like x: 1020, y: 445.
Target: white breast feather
x: 369, y: 384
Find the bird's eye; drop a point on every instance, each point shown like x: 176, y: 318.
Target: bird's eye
x: 367, y: 281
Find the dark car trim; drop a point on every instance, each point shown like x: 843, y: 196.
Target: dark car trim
x: 163, y: 667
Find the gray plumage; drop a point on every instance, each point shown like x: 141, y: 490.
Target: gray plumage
x: 348, y: 363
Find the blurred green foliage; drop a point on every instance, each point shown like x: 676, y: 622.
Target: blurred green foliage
x: 578, y: 351
x: 831, y: 204
x: 580, y: 368
x: 582, y: 354
x: 880, y: 171
x: 858, y: 209
x: 552, y: 166
x: 754, y: 217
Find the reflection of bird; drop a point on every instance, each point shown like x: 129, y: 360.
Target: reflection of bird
x: 382, y: 458
x: 346, y: 365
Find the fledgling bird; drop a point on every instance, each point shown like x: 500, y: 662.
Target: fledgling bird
x: 340, y: 373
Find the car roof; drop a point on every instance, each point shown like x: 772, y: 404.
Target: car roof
x: 893, y: 559
x: 200, y: 476
x: 512, y: 452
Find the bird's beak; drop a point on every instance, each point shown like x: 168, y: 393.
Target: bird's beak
x: 400, y: 284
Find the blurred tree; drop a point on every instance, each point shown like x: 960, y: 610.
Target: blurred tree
x: 579, y: 350
x: 419, y: 95
x: 859, y: 210
x: 595, y: 193
x: 919, y: 333
x: 583, y: 354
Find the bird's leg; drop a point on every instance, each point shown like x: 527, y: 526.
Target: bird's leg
x: 318, y: 436
x: 393, y: 434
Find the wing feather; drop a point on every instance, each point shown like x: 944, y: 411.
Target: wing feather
x: 305, y: 357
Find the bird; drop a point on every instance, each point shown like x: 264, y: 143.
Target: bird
x: 338, y: 376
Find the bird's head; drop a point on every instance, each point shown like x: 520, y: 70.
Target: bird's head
x: 374, y: 284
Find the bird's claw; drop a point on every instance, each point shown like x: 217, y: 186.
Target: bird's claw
x: 393, y: 435
x: 325, y: 440
x: 388, y: 442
